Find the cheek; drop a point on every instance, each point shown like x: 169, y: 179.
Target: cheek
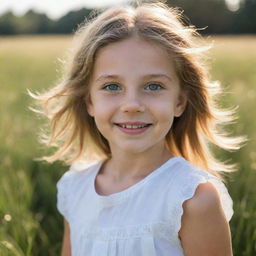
x: 97, y: 105
x: 164, y: 110
x: 103, y: 111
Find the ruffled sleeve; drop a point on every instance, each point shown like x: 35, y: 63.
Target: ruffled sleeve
x: 63, y: 192
x: 189, y: 189
x: 226, y: 201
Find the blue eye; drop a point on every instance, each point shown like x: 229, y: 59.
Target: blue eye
x: 112, y: 87
x: 154, y: 87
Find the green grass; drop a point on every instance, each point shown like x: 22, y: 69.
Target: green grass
x: 28, y: 194
x: 29, y: 221
x: 234, y: 64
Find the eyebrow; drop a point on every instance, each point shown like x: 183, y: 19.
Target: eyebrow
x: 149, y: 76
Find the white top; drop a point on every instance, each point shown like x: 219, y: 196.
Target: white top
x: 142, y: 220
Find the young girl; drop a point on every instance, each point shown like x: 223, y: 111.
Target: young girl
x: 136, y: 102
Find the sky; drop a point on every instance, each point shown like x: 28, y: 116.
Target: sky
x: 53, y: 8
x: 57, y: 8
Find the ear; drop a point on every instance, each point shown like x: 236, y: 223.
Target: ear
x: 89, y: 106
x: 181, y: 104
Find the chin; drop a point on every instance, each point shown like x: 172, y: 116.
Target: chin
x: 133, y: 149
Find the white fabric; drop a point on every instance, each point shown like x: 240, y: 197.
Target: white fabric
x: 142, y: 220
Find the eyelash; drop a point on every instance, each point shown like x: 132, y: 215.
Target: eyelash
x: 158, y: 84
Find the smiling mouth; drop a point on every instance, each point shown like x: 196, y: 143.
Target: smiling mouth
x: 133, y: 126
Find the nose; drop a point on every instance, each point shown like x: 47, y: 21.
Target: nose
x: 132, y: 102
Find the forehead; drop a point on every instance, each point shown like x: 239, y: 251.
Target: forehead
x: 134, y: 55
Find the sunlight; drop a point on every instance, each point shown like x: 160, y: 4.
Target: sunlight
x: 233, y: 5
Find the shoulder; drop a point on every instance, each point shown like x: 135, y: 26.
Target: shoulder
x: 204, y: 229
x: 205, y: 200
x: 77, y: 171
x: 71, y: 185
x: 204, y: 189
x: 76, y: 177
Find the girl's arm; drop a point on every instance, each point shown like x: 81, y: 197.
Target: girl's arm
x: 204, y: 229
x: 66, y: 247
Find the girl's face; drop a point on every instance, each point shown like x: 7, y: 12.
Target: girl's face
x: 134, y: 95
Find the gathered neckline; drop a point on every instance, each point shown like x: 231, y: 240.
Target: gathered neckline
x: 126, y: 192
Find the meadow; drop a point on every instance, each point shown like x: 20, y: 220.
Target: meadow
x: 29, y: 222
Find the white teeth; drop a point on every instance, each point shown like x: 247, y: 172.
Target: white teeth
x: 133, y: 126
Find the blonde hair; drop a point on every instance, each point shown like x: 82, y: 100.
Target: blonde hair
x: 73, y: 130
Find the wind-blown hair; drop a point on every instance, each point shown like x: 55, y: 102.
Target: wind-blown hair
x: 73, y: 130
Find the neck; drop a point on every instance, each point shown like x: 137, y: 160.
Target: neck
x: 124, y: 165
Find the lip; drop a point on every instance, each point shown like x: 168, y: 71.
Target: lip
x: 131, y: 131
x: 132, y: 123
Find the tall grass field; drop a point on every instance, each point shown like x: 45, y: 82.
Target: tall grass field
x: 29, y: 222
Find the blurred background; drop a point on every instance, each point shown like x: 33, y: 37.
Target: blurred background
x: 34, y: 37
